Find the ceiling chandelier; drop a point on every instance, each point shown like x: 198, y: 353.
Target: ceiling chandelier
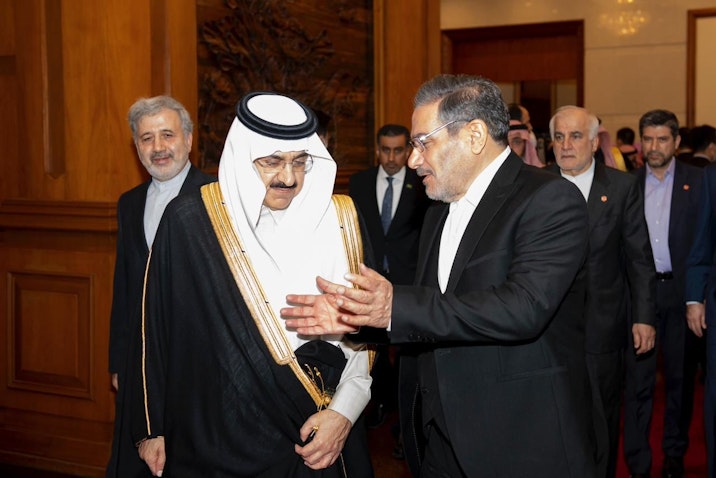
x: 626, y: 19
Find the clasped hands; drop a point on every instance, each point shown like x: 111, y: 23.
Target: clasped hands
x: 342, y: 309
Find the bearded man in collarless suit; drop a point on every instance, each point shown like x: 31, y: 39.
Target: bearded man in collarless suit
x: 162, y: 133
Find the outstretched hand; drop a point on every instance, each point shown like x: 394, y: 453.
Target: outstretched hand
x: 343, y: 309
x: 316, y: 315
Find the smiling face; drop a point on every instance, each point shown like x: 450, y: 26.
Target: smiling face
x: 285, y: 184
x: 162, y: 145
x: 573, y: 148
x: 443, y: 165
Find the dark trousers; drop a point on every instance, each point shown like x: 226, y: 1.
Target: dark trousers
x: 605, y: 372
x: 439, y: 460
x: 710, y: 390
x: 672, y: 337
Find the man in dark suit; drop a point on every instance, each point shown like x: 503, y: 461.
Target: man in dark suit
x: 494, y: 382
x: 703, y: 144
x: 162, y: 133
x: 391, y: 198
x: 671, y: 194
x: 701, y: 301
x: 620, y: 269
x: 395, y: 243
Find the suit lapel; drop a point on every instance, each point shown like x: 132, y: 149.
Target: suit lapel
x: 407, y: 200
x: 430, y: 238
x: 497, y: 192
x: 679, y: 197
x: 598, y: 195
x: 136, y: 222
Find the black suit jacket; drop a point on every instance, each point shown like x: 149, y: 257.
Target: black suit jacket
x: 131, y: 260
x: 620, y: 266
x: 506, y: 339
x: 701, y: 263
x: 400, y: 244
x: 683, y: 216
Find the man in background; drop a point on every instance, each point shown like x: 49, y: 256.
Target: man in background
x: 671, y: 203
x: 620, y: 291
x: 391, y: 198
x: 701, y: 301
x: 162, y: 133
x: 703, y: 144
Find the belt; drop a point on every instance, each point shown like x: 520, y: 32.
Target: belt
x: 661, y: 276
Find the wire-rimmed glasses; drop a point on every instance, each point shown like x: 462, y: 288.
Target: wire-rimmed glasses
x: 418, y: 142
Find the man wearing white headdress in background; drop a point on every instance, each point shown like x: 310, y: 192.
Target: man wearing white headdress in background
x: 226, y: 389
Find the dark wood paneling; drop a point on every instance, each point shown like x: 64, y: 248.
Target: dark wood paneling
x: 541, y: 51
x: 49, y: 331
x: 53, y: 86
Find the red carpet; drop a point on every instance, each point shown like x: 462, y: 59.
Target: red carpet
x: 695, y: 459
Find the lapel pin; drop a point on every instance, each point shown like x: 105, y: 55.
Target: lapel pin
x: 408, y: 186
x: 686, y: 187
x: 604, y: 199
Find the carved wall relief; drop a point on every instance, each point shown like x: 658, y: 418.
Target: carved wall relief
x: 318, y: 51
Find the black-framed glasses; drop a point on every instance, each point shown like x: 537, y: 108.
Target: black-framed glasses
x: 275, y: 164
x: 418, y: 142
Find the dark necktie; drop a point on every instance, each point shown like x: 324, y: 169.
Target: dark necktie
x: 386, y: 213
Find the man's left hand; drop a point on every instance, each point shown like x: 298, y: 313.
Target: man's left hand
x: 331, y: 430
x: 644, y: 337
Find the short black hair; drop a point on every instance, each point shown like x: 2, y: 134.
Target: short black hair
x: 659, y: 118
x: 392, y: 130
x: 626, y: 135
x: 701, y: 137
x: 515, y: 111
x: 324, y: 120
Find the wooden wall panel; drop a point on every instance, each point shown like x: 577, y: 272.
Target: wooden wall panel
x: 56, y: 407
x: 407, y: 46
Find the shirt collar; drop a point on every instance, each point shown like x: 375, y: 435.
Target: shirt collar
x: 400, y: 175
x: 669, y: 170
x: 482, y: 181
x: 174, y: 182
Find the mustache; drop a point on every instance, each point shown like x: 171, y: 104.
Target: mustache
x: 423, y: 171
x: 161, y: 154
x: 282, y: 185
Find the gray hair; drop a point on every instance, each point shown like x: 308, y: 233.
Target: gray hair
x: 593, y: 120
x: 152, y: 106
x: 466, y: 98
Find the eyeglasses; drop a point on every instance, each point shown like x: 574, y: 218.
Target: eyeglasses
x: 418, y: 142
x: 274, y: 165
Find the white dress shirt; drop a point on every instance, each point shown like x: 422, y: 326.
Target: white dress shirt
x: 460, y: 214
x: 582, y: 181
x: 158, y: 196
x: 381, y: 184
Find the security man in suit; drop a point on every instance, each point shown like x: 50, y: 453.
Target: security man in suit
x: 162, y: 133
x: 495, y: 381
x: 391, y: 198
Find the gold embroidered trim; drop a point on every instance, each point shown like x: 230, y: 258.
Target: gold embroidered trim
x: 269, y: 326
x: 144, y: 347
x: 350, y: 231
x: 352, y: 243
